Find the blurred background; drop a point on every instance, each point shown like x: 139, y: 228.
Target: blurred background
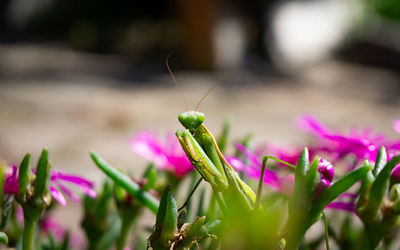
x: 80, y: 75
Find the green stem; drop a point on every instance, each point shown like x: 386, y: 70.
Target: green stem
x: 29, y: 232
x: 294, y: 239
x: 326, y: 230
x: 365, y: 242
x: 127, y: 222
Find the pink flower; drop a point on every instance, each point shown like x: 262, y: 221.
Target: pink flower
x: 49, y: 224
x: 326, y: 173
x: 285, y: 184
x: 166, y: 155
x: 362, y: 144
x: 57, y: 179
x: 326, y: 170
x: 396, y: 172
x: 253, y: 168
x: 11, y: 182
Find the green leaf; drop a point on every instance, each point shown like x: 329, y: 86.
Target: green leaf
x: 380, y: 186
x: 151, y: 176
x: 312, y: 179
x: 166, y: 221
x: 298, y: 200
x: 210, y: 228
x: 3, y: 238
x: 23, y: 176
x: 42, y: 181
x: 124, y: 181
x: 103, y: 201
x: 170, y: 220
x: 336, y: 189
x: 381, y: 161
x: 193, y: 230
x: 302, y: 165
x: 364, y: 190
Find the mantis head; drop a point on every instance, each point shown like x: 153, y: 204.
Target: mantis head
x: 191, y: 119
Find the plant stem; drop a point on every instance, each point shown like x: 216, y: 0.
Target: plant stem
x: 29, y: 232
x: 127, y: 219
x: 326, y: 230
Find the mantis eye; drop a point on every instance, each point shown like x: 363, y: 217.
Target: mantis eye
x: 191, y: 119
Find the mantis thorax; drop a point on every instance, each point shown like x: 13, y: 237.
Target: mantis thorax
x: 191, y: 119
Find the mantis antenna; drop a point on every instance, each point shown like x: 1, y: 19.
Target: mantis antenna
x: 209, y: 91
x: 176, y: 83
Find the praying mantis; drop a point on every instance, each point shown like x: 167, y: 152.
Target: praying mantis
x: 203, y: 152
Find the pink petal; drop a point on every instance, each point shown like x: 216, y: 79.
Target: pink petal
x: 70, y: 178
x: 148, y: 147
x: 11, y: 182
x: 58, y: 196
x: 49, y: 224
x: 236, y: 163
x: 311, y: 125
x: 346, y: 206
x: 88, y: 191
x: 75, y: 198
x: 350, y: 195
x: 248, y: 154
x: 396, y: 172
x: 396, y: 125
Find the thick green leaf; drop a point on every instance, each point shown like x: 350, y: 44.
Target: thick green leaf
x: 380, y: 186
x: 381, y: 161
x: 364, y: 190
x: 299, y: 200
x: 170, y: 221
x: 23, y: 176
x: 302, y: 166
x: 124, y: 181
x: 210, y: 228
x: 312, y: 179
x: 336, y: 189
x: 193, y: 230
x: 166, y: 221
x: 42, y: 181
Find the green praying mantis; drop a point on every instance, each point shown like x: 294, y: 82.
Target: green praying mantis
x: 203, y: 152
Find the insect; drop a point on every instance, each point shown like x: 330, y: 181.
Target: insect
x: 203, y: 152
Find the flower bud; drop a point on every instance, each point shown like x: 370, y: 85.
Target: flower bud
x: 326, y: 170
x: 396, y: 172
x: 322, y: 185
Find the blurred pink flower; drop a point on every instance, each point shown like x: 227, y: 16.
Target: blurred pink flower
x: 326, y: 173
x: 57, y: 178
x: 49, y: 225
x: 253, y: 167
x: 166, y: 155
x: 361, y: 143
x: 396, y: 125
x: 285, y: 184
x: 11, y: 181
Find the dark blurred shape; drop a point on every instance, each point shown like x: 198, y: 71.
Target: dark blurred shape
x: 371, y: 54
x: 207, y: 35
x: 198, y: 18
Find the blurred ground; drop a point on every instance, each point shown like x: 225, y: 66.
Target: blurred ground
x: 73, y: 102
